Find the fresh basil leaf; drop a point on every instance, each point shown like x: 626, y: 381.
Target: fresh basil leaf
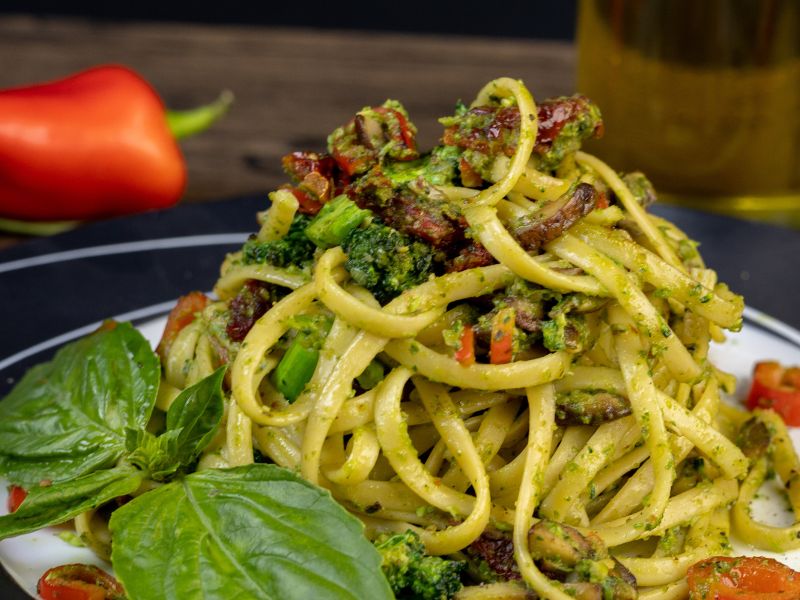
x: 195, y: 414
x: 257, y: 532
x: 155, y: 455
x: 192, y: 420
x: 68, y: 417
x: 60, y: 502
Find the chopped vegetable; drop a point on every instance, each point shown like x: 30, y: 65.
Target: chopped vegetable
x: 439, y: 167
x: 16, y: 495
x: 742, y: 578
x: 374, y: 133
x: 293, y: 249
x: 298, y: 363
x: 337, y: 219
x: 501, y: 348
x: 415, y: 575
x: 295, y: 369
x: 317, y: 176
x: 385, y: 261
x: 465, y: 354
x: 182, y: 314
x: 79, y: 582
x: 778, y: 388
x: 564, y: 123
x: 248, y: 306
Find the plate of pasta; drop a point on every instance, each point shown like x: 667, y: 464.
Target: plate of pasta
x: 482, y: 371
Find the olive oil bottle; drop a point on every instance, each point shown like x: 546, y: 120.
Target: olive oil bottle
x: 701, y: 95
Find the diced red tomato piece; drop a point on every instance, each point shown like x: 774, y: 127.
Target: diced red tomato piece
x: 466, y: 348
x: 16, y: 495
x: 179, y: 317
x: 501, y: 347
x: 742, y: 578
x: 308, y: 205
x: 778, y: 388
x: 79, y: 582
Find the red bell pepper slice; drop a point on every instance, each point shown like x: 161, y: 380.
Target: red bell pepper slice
x: 466, y: 347
x: 501, y: 347
x: 742, y: 578
x: 778, y: 388
x: 79, y: 582
x: 602, y: 201
x: 16, y: 495
x: 307, y: 204
x: 179, y: 317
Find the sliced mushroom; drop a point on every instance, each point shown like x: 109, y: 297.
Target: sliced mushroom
x: 557, y: 548
x: 641, y: 188
x: 754, y: 439
x: 537, y: 229
x: 582, y: 407
x: 584, y: 590
x: 369, y: 132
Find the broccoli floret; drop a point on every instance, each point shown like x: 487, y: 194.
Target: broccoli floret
x: 385, y: 261
x: 335, y: 221
x: 293, y: 249
x: 436, y: 579
x: 440, y: 167
x: 398, y: 553
x: 412, y: 574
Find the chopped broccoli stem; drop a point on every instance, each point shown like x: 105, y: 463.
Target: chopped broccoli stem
x: 300, y: 360
x: 335, y: 221
x: 414, y: 575
x: 292, y: 249
x: 440, y: 167
x: 385, y: 261
x: 295, y: 370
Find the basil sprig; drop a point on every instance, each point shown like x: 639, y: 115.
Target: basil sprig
x: 74, y: 433
x: 68, y: 417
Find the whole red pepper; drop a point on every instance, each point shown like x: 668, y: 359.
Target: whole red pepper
x: 95, y: 144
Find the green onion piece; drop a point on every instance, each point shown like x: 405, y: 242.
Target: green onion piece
x: 295, y: 369
x: 335, y: 221
x: 371, y: 376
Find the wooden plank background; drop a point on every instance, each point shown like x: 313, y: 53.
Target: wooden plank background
x: 292, y: 86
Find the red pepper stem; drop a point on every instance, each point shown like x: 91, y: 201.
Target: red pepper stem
x: 36, y: 227
x: 183, y: 123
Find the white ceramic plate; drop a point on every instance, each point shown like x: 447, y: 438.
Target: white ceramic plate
x: 28, y: 556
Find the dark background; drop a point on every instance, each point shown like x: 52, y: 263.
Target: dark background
x: 552, y: 20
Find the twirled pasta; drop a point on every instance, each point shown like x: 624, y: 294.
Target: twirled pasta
x: 451, y: 449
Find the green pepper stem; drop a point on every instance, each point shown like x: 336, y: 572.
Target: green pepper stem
x: 36, y: 227
x: 183, y: 123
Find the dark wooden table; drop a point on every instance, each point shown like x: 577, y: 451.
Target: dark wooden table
x: 292, y: 86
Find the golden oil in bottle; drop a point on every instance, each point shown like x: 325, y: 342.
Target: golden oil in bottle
x: 701, y: 95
